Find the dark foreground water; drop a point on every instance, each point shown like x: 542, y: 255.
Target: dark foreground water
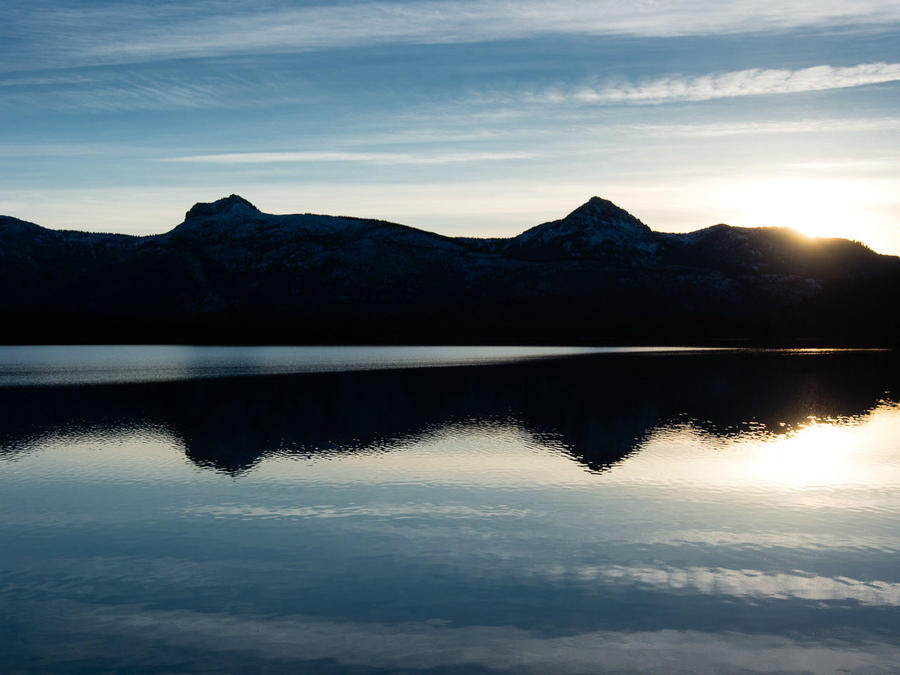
x: 602, y: 512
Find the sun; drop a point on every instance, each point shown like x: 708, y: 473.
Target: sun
x: 815, y: 207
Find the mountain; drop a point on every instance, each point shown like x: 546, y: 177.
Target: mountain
x: 596, y: 230
x: 231, y: 273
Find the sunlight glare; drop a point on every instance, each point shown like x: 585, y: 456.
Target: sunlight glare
x: 818, y: 208
x: 818, y: 454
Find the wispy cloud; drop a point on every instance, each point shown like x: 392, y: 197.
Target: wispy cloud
x: 165, y: 89
x: 856, y: 165
x: 368, y: 157
x: 713, y: 130
x: 51, y: 32
x: 752, y: 82
x: 69, y: 150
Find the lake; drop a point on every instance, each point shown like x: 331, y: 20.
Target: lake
x: 449, y: 510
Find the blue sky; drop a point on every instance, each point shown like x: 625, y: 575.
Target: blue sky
x: 468, y: 118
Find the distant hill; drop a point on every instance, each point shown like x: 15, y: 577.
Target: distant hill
x: 230, y: 273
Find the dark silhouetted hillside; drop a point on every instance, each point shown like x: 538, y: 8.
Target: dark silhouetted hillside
x: 230, y: 273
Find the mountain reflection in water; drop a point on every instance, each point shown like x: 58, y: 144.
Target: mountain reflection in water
x: 598, y: 409
x: 704, y: 512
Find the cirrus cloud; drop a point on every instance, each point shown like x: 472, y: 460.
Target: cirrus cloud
x: 51, y: 33
x: 369, y: 157
x: 750, y: 82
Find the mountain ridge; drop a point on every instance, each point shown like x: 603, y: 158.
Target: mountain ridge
x: 230, y: 272
x: 621, y: 225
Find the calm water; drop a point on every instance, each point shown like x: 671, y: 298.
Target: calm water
x: 87, y: 364
x: 545, y: 511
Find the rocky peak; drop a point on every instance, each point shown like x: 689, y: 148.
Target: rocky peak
x: 597, y: 228
x: 599, y: 213
x: 232, y: 205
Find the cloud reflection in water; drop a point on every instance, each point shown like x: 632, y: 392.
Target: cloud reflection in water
x: 705, y: 512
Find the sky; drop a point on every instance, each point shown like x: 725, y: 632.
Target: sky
x: 461, y: 117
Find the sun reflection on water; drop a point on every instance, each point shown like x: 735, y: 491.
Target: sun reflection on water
x: 815, y: 454
x: 821, y: 452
